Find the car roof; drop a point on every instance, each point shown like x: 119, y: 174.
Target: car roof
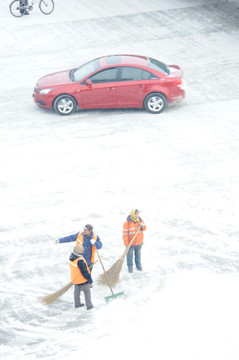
x: 123, y: 59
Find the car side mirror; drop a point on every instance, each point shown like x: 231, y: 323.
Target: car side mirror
x: 88, y: 82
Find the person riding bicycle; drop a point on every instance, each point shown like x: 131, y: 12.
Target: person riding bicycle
x: 18, y: 8
x: 24, y: 3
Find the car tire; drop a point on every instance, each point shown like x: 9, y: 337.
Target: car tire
x: 155, y: 103
x: 65, y: 105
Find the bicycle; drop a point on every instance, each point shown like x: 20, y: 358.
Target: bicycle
x: 18, y: 8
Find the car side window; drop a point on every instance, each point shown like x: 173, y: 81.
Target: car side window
x: 104, y: 76
x: 129, y: 73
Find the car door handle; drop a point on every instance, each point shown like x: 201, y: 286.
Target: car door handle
x: 111, y: 88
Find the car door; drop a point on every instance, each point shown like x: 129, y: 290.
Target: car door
x: 100, y: 90
x: 132, y: 86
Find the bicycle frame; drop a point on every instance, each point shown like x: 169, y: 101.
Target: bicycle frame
x: 29, y: 6
x: 32, y: 2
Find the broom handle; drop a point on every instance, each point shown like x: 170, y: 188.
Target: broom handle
x: 104, y: 271
x: 95, y: 262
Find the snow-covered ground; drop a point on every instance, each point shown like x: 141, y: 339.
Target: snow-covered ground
x: 180, y: 168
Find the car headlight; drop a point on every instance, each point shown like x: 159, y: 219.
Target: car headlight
x: 44, y: 91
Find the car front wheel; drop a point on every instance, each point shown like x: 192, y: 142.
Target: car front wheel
x: 64, y: 105
x: 155, y: 103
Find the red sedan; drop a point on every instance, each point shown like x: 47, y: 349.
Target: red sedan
x: 115, y: 81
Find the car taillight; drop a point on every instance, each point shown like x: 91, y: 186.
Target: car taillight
x: 182, y: 86
x: 177, y: 82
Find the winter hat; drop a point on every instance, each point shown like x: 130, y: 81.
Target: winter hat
x: 88, y: 227
x: 78, y: 249
x: 132, y: 215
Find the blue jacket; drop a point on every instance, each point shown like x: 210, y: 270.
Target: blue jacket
x: 86, y: 243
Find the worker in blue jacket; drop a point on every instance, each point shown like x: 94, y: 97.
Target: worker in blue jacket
x: 88, y: 239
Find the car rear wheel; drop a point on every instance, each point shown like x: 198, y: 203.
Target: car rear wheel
x: 64, y: 105
x: 155, y: 103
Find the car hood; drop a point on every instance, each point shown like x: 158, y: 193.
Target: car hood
x: 175, y: 70
x: 57, y: 78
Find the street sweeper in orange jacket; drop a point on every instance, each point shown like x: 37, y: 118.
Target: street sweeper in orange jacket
x: 132, y: 224
x: 80, y: 277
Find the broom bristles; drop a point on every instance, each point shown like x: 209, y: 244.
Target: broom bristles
x: 51, y: 298
x: 113, y: 273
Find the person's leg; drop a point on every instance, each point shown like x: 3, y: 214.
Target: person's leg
x: 138, y: 257
x: 87, y: 293
x: 26, y: 3
x: 77, y: 292
x: 22, y: 3
x: 91, y: 269
x: 130, y: 259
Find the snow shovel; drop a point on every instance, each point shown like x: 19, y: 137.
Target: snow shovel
x: 113, y: 273
x: 113, y: 296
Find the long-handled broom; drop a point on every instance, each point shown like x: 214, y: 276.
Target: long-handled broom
x: 51, y: 298
x: 113, y: 296
x: 113, y: 273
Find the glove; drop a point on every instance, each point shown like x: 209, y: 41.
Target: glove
x: 57, y: 241
x: 141, y: 226
x: 92, y: 241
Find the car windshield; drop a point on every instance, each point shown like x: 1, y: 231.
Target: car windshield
x: 159, y: 66
x: 84, y: 70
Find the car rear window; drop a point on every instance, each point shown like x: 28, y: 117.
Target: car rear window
x: 85, y: 70
x: 110, y: 60
x: 159, y: 66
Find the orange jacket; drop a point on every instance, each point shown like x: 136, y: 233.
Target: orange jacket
x: 129, y: 230
x: 80, y: 241
x: 76, y: 275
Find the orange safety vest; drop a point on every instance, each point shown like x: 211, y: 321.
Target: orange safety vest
x: 129, y: 230
x: 80, y: 241
x: 76, y: 275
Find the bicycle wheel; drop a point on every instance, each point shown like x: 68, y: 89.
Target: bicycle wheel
x: 17, y: 8
x: 46, y: 6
